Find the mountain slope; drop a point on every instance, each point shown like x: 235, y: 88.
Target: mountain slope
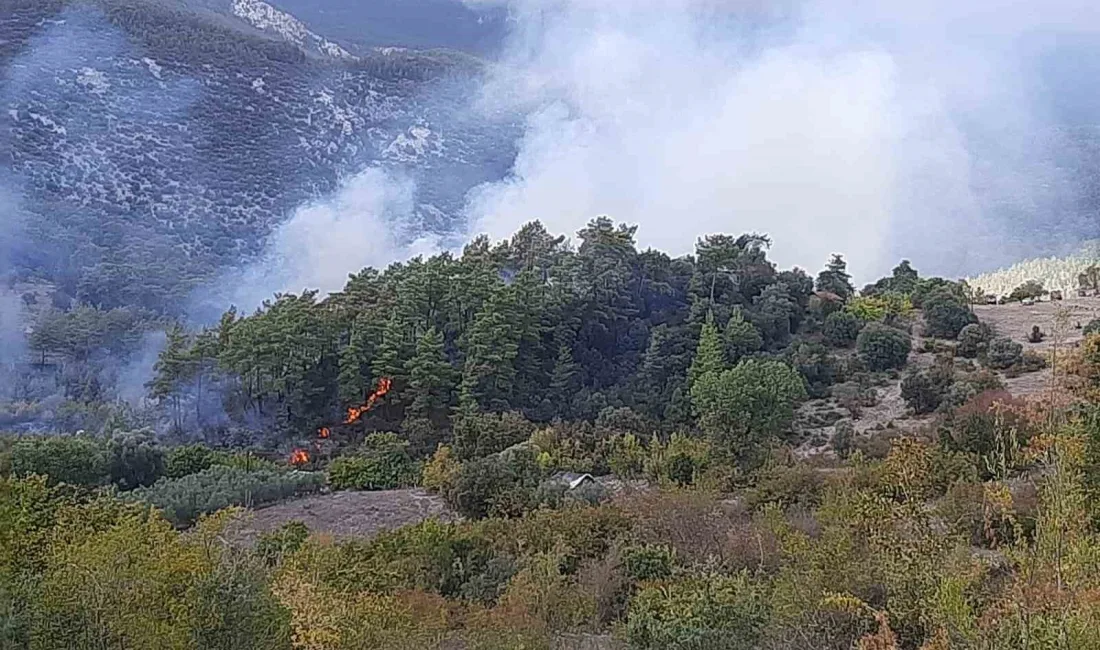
x: 150, y: 144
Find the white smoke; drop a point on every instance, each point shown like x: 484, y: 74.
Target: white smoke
x: 837, y: 126
x: 367, y: 222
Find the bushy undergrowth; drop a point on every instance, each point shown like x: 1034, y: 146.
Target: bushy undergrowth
x: 184, y: 499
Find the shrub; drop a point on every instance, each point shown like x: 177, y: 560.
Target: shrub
x: 188, y: 459
x: 627, y: 457
x: 927, y: 288
x: 882, y: 347
x: 973, y: 340
x: 1032, y: 361
x: 183, y: 500
x: 680, y: 461
x: 787, y: 486
x: 441, y: 470
x: 1092, y: 328
x: 273, y: 546
x: 841, y: 329
x: 945, y: 315
x: 496, y: 485
x: 623, y: 420
x: 815, y: 364
x: 888, y: 307
x: 748, y: 404
x: 1003, y: 353
x: 925, y: 390
x: 962, y: 392
x: 381, y: 463
x: 479, y: 434
x: 648, y: 562
x: 726, y: 612
x: 991, y: 428
x: 76, y: 460
x: 844, y: 439
x: 914, y: 471
x: 134, y: 459
x: 1029, y: 289
x: 245, y: 460
x: 573, y: 447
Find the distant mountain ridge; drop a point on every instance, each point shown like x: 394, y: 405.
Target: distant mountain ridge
x: 151, y: 143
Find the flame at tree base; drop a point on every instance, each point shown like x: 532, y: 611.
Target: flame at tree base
x: 299, y: 457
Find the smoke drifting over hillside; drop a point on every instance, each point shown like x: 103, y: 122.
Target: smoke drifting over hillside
x: 12, y: 339
x: 866, y: 128
x: 860, y: 127
x: 366, y: 223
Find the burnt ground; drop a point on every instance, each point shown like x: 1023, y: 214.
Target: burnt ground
x: 349, y: 514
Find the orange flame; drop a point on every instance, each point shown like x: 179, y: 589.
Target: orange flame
x: 299, y: 457
x: 356, y: 412
x: 323, y: 432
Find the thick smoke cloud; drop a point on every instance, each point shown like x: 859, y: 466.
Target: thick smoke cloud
x: 869, y: 128
x: 368, y: 222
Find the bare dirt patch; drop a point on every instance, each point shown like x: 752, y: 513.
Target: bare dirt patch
x: 350, y: 514
x: 1016, y: 320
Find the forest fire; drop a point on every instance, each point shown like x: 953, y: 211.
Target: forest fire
x: 299, y: 457
x: 324, y: 433
x: 356, y: 412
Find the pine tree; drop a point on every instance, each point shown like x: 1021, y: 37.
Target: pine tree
x: 392, y: 352
x: 742, y: 337
x: 203, y: 357
x: 431, y: 378
x: 835, y: 278
x: 172, y: 368
x: 489, y: 374
x: 355, y: 363
x: 563, y: 380
x: 710, y: 355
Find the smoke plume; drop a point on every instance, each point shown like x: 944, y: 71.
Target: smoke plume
x: 367, y: 222
x: 869, y: 128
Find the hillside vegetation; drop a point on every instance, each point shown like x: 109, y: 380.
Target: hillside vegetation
x: 499, y: 378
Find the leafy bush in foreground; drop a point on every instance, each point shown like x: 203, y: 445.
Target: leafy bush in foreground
x: 726, y: 612
x: 183, y: 500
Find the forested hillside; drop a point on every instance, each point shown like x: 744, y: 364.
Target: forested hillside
x: 532, y: 326
x: 556, y: 440
x: 620, y: 441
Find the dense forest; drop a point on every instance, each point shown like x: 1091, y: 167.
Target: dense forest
x: 620, y: 438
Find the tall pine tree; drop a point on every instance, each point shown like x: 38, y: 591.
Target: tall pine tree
x: 710, y: 354
x: 431, y: 379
